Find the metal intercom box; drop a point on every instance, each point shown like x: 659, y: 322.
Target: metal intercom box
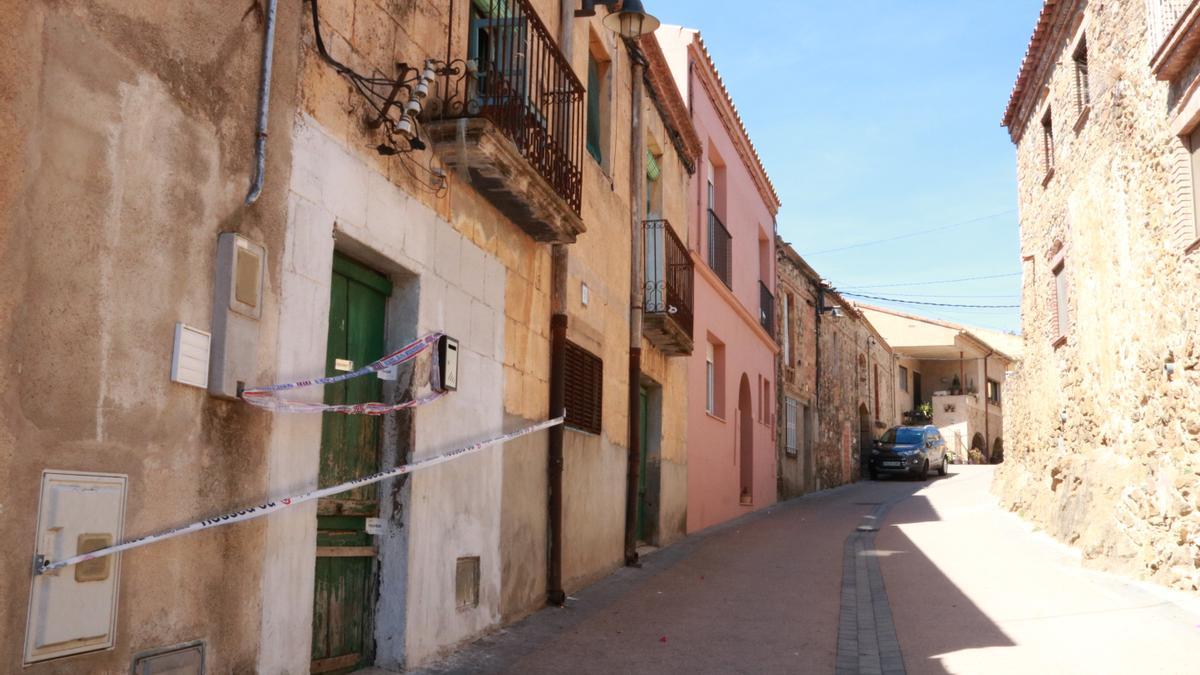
x: 73, y: 610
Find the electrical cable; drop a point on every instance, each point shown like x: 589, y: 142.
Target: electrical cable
x: 910, y: 234
x: 930, y: 304
x: 934, y: 283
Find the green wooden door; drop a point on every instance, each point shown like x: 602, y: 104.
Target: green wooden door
x: 343, y: 606
x: 643, y: 507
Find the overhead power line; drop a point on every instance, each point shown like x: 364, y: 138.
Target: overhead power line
x: 930, y: 304
x: 909, y: 235
x: 942, y: 281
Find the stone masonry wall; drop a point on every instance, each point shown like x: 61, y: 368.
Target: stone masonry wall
x: 1103, y: 430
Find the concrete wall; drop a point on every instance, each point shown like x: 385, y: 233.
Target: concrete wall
x: 127, y: 149
x: 1103, y: 432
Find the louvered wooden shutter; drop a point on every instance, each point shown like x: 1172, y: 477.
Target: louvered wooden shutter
x: 584, y: 394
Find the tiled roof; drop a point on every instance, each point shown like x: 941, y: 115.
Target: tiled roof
x: 737, y: 116
x: 1025, y: 78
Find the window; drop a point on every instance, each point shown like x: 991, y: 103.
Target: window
x: 1083, y: 94
x: 876, y: 374
x: 714, y: 375
x: 710, y: 379
x: 791, y: 409
x: 1060, y: 302
x: 584, y: 395
x: 993, y: 391
x: 903, y: 378
x: 654, y: 183
x: 1048, y: 143
x: 599, y: 101
x: 1194, y: 147
x: 765, y: 403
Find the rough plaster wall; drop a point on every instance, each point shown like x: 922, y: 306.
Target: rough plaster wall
x: 1103, y: 446
x: 126, y: 136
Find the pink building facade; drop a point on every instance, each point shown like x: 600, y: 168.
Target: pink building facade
x: 731, y: 387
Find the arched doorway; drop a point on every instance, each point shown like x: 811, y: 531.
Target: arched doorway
x: 979, y: 445
x: 865, y: 436
x: 997, y: 452
x: 746, y: 441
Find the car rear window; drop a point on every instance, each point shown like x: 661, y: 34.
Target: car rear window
x: 902, y: 435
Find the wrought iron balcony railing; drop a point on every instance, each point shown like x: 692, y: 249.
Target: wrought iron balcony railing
x: 669, y: 274
x: 720, y: 249
x: 766, y: 308
x: 517, y: 78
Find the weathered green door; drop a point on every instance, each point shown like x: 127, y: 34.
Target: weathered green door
x: 343, y: 606
x: 643, y: 507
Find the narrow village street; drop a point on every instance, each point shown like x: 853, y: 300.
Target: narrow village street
x: 359, y: 337
x: 969, y: 589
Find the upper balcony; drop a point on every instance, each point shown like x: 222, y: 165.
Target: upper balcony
x: 513, y: 120
x: 669, y: 290
x: 720, y: 249
x: 766, y: 309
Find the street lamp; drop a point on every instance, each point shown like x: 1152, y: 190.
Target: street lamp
x: 631, y: 21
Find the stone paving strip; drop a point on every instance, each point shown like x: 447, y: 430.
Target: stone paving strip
x: 867, y: 641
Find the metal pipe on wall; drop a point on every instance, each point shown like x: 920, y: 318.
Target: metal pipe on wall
x: 555, y: 594
x: 264, y: 104
x: 637, y: 184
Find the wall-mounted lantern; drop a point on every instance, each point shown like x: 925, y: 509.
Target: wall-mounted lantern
x: 630, y: 21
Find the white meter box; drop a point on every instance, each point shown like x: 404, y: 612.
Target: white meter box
x: 73, y: 610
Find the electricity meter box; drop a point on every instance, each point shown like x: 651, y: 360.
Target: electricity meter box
x: 237, y: 310
x: 448, y: 362
x: 73, y: 610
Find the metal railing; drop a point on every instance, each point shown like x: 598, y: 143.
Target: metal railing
x: 517, y: 78
x: 766, y: 309
x: 669, y: 274
x: 720, y: 249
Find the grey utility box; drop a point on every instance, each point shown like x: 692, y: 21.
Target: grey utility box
x: 237, y: 313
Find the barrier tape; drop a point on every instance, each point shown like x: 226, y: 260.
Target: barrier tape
x: 264, y: 396
x: 261, y: 510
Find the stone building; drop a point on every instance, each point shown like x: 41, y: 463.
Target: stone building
x: 731, y: 210
x: 508, y: 220
x: 835, y: 373
x: 957, y: 371
x: 1103, y: 419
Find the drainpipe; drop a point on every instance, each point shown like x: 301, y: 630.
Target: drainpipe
x: 637, y: 287
x: 812, y: 478
x: 264, y: 103
x: 555, y: 595
x: 554, y: 464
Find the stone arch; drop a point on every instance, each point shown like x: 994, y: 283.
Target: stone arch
x: 997, y: 451
x: 979, y: 444
x: 865, y: 436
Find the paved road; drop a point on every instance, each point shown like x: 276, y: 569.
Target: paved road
x: 948, y: 584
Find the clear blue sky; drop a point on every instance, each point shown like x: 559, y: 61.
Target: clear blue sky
x: 878, y: 118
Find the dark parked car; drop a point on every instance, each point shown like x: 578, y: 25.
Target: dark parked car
x: 910, y: 451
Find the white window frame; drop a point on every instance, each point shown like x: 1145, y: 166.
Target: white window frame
x: 710, y: 376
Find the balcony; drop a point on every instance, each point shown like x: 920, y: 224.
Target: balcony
x: 512, y: 120
x: 766, y: 309
x: 669, y: 290
x: 720, y: 249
